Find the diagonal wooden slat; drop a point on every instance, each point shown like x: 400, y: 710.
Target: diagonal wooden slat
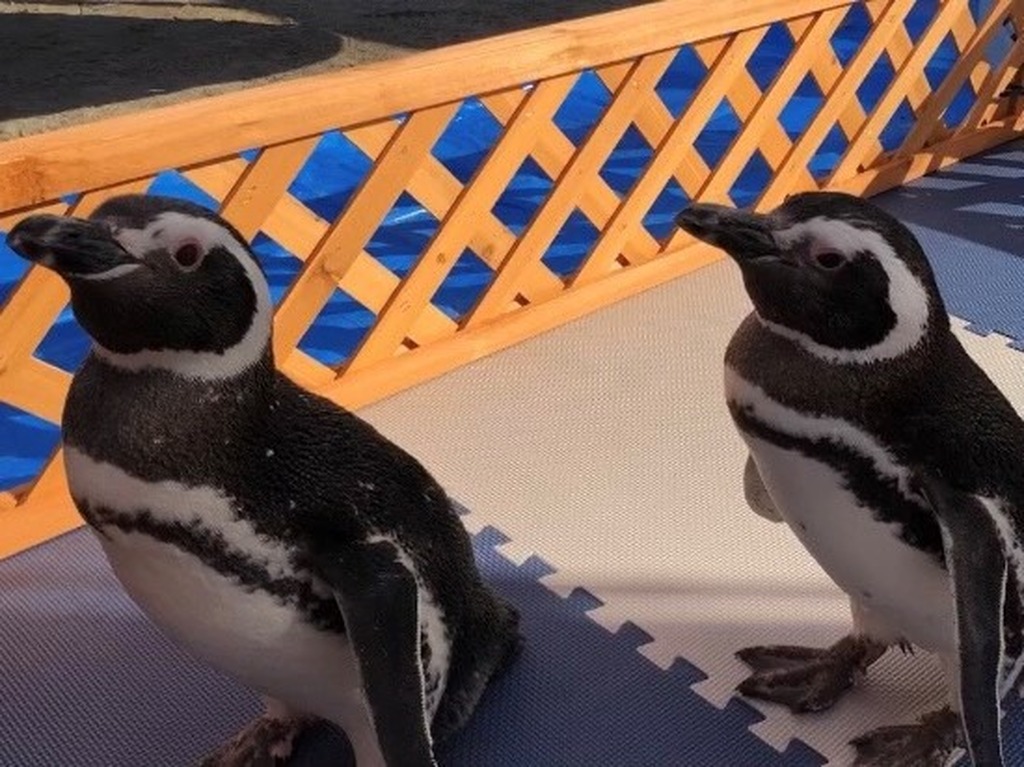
x: 654, y: 121
x: 434, y: 187
x: 743, y: 96
x: 217, y: 178
x: 27, y: 316
x: 35, y: 387
x: 87, y: 203
x: 723, y: 74
x: 788, y: 176
x: 898, y: 48
x: 480, y: 195
x: 964, y: 29
x: 919, y: 94
x: 810, y: 37
x: 34, y: 305
x: 827, y: 69
x: 896, y: 92
x: 306, y: 370
x: 636, y: 88
x: 554, y: 151
x: 988, y: 101
x: 935, y: 157
x: 262, y: 183
x: 975, y: 48
x: 50, y: 485
x: 298, y: 229
x: 346, y: 239
x: 25, y: 382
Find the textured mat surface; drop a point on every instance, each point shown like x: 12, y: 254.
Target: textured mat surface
x: 89, y: 682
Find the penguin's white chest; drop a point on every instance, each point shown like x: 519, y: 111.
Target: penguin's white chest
x: 230, y: 622
x: 898, y: 592
x: 245, y: 633
x: 901, y: 591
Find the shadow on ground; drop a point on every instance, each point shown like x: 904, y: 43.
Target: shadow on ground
x: 67, y: 61
x: 53, y: 63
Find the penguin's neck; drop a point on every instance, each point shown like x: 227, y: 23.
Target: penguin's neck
x: 165, y: 416
x: 804, y: 381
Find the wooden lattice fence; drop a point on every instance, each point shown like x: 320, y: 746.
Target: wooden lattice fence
x: 665, y: 73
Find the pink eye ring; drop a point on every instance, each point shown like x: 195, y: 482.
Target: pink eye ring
x: 188, y: 254
x: 829, y: 259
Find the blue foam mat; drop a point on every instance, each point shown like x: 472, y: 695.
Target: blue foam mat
x: 89, y: 682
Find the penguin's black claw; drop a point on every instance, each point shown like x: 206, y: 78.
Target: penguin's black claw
x: 806, y: 679
x: 264, y: 742
x: 929, y: 743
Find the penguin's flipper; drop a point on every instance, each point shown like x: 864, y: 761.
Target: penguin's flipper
x: 757, y: 494
x: 379, y: 601
x: 977, y: 565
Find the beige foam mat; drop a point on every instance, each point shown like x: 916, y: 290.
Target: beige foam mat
x: 605, y: 447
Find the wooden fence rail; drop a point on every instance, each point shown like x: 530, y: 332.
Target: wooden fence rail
x: 245, y: 150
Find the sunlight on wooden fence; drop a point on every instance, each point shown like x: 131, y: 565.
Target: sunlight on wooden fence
x: 862, y: 97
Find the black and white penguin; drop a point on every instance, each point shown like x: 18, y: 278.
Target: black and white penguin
x: 891, y: 455
x: 275, y: 535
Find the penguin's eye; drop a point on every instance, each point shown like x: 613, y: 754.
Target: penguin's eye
x: 829, y: 259
x: 187, y: 255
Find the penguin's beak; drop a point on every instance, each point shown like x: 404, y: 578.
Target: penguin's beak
x: 72, y: 247
x: 744, y: 235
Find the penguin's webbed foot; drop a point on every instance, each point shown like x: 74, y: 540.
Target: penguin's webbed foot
x: 267, y: 741
x: 807, y: 679
x: 926, y: 744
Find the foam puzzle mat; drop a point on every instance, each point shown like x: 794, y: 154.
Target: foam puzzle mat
x: 582, y: 694
x: 606, y: 504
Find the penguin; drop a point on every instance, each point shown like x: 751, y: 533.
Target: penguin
x: 889, y: 453
x: 273, y: 534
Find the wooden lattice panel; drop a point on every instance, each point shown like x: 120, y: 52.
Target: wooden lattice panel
x: 828, y: 94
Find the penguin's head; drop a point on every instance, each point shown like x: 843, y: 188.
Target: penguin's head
x: 830, y: 271
x: 157, y: 283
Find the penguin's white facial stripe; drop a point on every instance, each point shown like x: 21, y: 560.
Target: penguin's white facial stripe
x: 111, y: 274
x: 168, y: 231
x: 432, y: 624
x: 797, y: 424
x: 105, y: 485
x: 908, y: 297
x: 833, y: 234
